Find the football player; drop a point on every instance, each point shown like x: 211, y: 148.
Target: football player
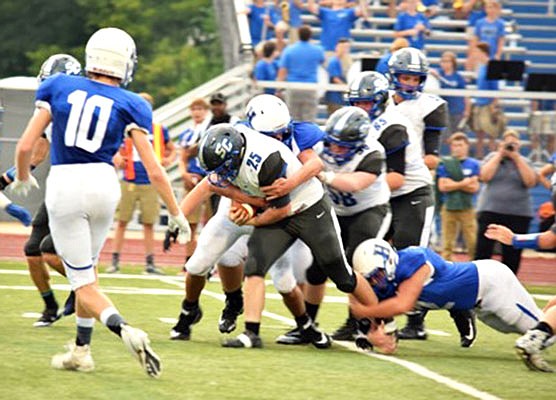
x: 39, y: 248
x: 242, y: 157
x: 428, y: 113
x: 18, y: 212
x: 417, y: 277
x: 530, y: 345
x: 90, y: 116
x: 408, y: 177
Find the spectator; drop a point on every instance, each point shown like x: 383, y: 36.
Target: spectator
x: 505, y: 198
x: 336, y: 21
x: 458, y: 181
x: 219, y: 109
x: 138, y: 191
x: 459, y: 107
x: 300, y: 63
x: 471, y: 10
x: 189, y: 166
x: 261, y: 21
x: 490, y: 30
x: 486, y: 116
x: 412, y: 25
x: 382, y: 65
x: 429, y: 7
x: 338, y: 66
x: 266, y: 69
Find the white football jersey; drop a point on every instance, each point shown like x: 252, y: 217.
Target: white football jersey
x: 346, y: 203
x: 258, y: 148
x: 416, y: 172
x: 416, y: 110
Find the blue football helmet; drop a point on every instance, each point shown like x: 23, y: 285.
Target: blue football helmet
x: 221, y: 152
x: 348, y: 128
x: 59, y: 63
x: 408, y: 61
x: 369, y: 86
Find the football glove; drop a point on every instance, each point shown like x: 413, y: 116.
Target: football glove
x: 169, y: 238
x: 179, y: 221
x: 22, y: 188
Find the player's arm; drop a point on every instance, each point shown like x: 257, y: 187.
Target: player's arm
x: 24, y: 149
x: 234, y: 193
x: 40, y: 151
x: 395, y: 139
x: 312, y: 166
x: 364, y: 175
x: 273, y: 168
x: 435, y: 123
x: 157, y: 174
x: 503, y: 234
x: 407, y: 294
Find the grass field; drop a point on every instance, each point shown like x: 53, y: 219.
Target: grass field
x: 201, y: 369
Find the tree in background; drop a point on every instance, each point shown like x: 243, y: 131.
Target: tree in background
x: 177, y: 41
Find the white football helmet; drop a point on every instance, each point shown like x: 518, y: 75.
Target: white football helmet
x: 111, y: 52
x: 375, y: 258
x: 268, y: 114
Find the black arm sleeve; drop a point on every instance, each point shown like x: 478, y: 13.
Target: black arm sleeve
x: 371, y: 163
x: 274, y: 167
x: 435, y: 123
x: 395, y: 140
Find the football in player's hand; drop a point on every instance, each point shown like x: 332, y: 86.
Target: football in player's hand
x: 241, y: 212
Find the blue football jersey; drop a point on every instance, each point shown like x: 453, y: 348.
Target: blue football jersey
x: 451, y: 285
x: 89, y: 118
x: 305, y: 135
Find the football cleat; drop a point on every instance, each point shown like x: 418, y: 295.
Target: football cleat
x: 69, y: 305
x: 152, y: 270
x: 316, y: 337
x: 246, y: 339
x: 182, y: 330
x: 19, y: 213
x: 412, y: 333
x: 227, y: 321
x: 47, y: 318
x: 138, y: 344
x: 77, y: 358
x: 292, y: 337
x: 113, y: 269
x: 348, y: 331
x: 529, y: 347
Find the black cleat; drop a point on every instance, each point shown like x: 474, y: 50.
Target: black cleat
x: 227, y: 321
x: 69, y: 305
x: 182, y: 330
x: 412, y: 333
x: 246, y: 339
x: 292, y: 337
x: 316, y: 337
x: 47, y: 318
x: 348, y: 331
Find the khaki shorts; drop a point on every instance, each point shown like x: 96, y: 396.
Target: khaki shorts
x: 145, y: 196
x: 484, y: 120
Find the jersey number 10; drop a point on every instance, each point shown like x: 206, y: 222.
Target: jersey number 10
x: 81, y: 118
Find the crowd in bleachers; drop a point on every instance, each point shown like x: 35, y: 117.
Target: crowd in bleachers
x: 335, y: 51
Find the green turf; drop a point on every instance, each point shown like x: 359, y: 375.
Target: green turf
x: 201, y: 369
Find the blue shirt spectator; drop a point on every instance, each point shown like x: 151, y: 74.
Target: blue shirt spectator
x: 455, y: 80
x: 485, y: 84
x: 334, y: 70
x: 301, y: 60
x: 490, y: 32
x: 412, y: 21
x: 256, y: 16
x: 266, y: 69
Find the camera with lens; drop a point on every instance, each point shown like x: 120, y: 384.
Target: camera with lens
x: 510, y: 147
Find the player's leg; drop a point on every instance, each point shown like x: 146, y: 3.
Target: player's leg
x: 265, y: 246
x: 413, y: 215
x: 218, y: 235
x: 38, y: 270
x: 230, y: 271
x: 150, y: 212
x: 371, y: 223
x: 124, y: 213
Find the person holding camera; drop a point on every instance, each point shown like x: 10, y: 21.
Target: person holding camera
x: 505, y: 198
